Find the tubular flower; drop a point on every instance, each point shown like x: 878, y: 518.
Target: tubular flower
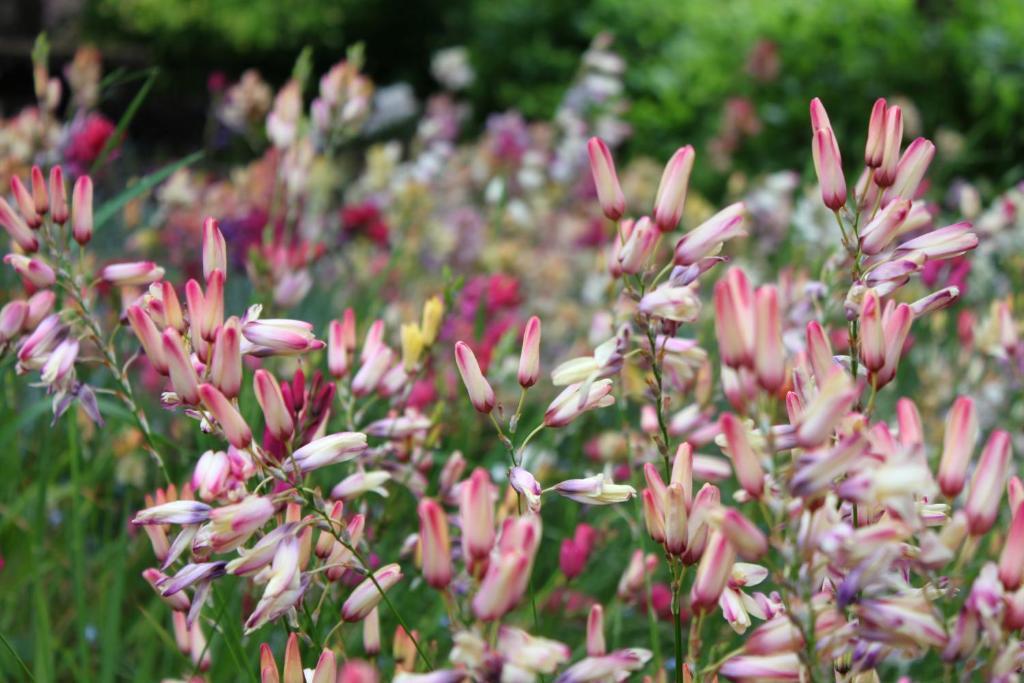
x: 481, y: 395
x: 577, y: 399
x: 435, y: 547
x: 671, y: 196
x: 595, y: 490
x: 609, y: 192
x: 366, y: 595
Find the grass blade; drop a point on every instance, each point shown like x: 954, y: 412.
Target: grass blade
x: 112, y: 206
x: 117, y: 136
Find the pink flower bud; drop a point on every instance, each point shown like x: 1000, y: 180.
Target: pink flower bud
x: 784, y: 666
x: 745, y: 461
x: 178, y: 602
x: 149, y: 337
x: 982, y: 506
x: 948, y: 242
x: 366, y: 596
x: 40, y: 305
x: 828, y: 163
x: 481, y: 395
x: 42, y: 340
x: 609, y: 192
x: 577, y: 399
x: 81, y: 211
x: 749, y: 541
x: 876, y: 235
x: 435, y: 548
x: 734, y: 319
x: 293, y: 661
x: 910, y: 170
x: 526, y: 486
x: 654, y: 516
x: 712, y: 573
x: 499, y: 591
x: 179, y: 365
x: 897, y: 319
x: 835, y: 397
x: 236, y: 431
x: 476, y: 515
x: 129, y: 274
x: 909, y: 419
x: 632, y: 255
x: 17, y: 228
x: 372, y: 371
x: 61, y: 363
x: 26, y: 205
x: 875, y: 145
x: 819, y: 351
x: 215, y: 251
x: 595, y: 631
x: 957, y: 446
x: 676, y: 534
x: 337, y: 353
x: 1015, y: 492
x: 706, y: 239
x: 529, y: 358
x: 885, y: 173
x: 211, y: 474
x: 936, y: 301
x: 371, y: 637
x: 678, y: 304
x: 226, y: 360
x: 213, y: 306
x: 328, y: 450
x: 58, y: 196
x: 872, y: 333
x: 769, y: 355
x: 176, y: 512
x: 275, y: 413
x: 327, y: 666
x: 1011, y: 560
x: 12, y: 320
x: 281, y: 336
x: 671, y: 195
x: 34, y: 271
x: 39, y: 198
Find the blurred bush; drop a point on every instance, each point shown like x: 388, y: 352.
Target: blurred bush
x: 731, y: 76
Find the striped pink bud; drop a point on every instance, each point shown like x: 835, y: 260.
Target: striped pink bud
x: 175, y: 512
x: 435, y: 548
x: 654, y: 515
x: 957, y: 446
x: 892, y: 140
x: 211, y: 474
x: 40, y: 305
x: 328, y: 450
x: 1011, y: 559
x: 39, y: 196
x: 936, y: 301
x: 236, y: 431
x: 872, y: 332
x: 279, y: 336
x: 337, y: 352
x: 481, y: 395
x: 12, y: 320
x: 880, y: 232
x: 129, y: 274
x: 183, y: 374
x: 745, y: 461
x: 835, y: 397
x: 373, y: 370
x: 784, y: 666
x: 671, y: 196
x: 577, y: 399
x: 366, y: 595
x: 897, y: 319
x: 712, y: 573
x: 226, y: 359
x: 828, y: 163
x: 26, y: 205
x: 769, y: 355
x: 910, y: 170
x: 683, y: 469
x: 943, y: 243
x: 875, y: 145
x: 776, y: 635
x: 676, y: 519
x: 595, y: 631
x: 609, y: 192
x: 734, y: 319
x: 58, y: 196
x: 17, y: 228
x: 149, y: 337
x: 275, y: 412
x: 749, y: 541
x: 982, y: 506
x: 348, y: 329
x: 819, y: 351
x: 707, y: 238
x: 34, y: 271
x: 215, y: 251
x: 529, y: 358
x: 476, y: 515
x: 632, y: 255
x: 81, y: 212
x: 911, y: 433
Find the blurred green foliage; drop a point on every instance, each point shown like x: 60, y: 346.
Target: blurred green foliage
x: 959, y: 61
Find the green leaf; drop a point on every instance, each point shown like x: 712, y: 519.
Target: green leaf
x: 110, y: 208
x: 122, y: 126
